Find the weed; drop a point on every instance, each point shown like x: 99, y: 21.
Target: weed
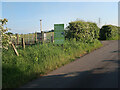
x: 39, y: 59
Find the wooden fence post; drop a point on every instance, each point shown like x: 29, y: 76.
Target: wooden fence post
x: 15, y: 50
x: 52, y: 37
x: 33, y: 38
x: 17, y: 38
x: 26, y: 38
x: 42, y: 36
x: 21, y: 38
x: 29, y: 38
x: 23, y: 43
x: 36, y: 37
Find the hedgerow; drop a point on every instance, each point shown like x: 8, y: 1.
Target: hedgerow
x: 108, y: 32
x: 82, y: 31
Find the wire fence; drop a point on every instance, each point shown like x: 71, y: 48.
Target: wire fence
x: 32, y: 38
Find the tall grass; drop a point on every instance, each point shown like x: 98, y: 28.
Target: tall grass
x: 40, y: 59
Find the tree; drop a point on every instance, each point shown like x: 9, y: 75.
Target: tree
x: 4, y: 38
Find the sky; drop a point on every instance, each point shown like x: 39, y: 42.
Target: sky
x: 24, y: 17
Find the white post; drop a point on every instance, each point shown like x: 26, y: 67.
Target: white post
x: 41, y: 25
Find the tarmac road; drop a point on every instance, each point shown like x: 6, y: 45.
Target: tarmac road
x: 98, y: 69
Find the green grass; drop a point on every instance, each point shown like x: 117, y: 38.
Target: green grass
x: 39, y: 59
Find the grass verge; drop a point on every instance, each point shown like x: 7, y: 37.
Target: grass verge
x: 40, y: 59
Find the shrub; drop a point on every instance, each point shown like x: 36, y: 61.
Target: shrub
x: 108, y: 32
x: 82, y: 31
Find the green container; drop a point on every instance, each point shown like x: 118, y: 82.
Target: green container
x: 59, y: 34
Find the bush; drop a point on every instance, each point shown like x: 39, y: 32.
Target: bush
x: 83, y: 31
x: 108, y: 32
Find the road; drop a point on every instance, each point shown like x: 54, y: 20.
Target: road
x: 98, y: 69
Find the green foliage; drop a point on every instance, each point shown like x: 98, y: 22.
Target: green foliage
x: 9, y: 33
x: 39, y: 59
x: 108, y: 32
x: 5, y: 38
x: 82, y: 31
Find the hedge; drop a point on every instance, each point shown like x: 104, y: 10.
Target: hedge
x: 82, y: 31
x: 108, y: 32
